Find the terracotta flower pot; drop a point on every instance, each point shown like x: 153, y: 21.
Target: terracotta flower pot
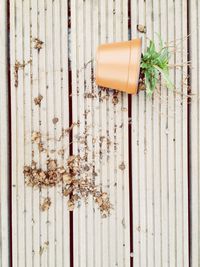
x: 118, y: 65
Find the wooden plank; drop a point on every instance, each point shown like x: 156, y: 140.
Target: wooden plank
x: 35, y: 90
x: 159, y: 135
x: 4, y: 141
x: 100, y: 21
x: 150, y: 179
x: 19, y: 198
x: 43, y: 117
x: 39, y: 238
x: 181, y: 149
x: 96, y: 127
x: 138, y: 159
x: 135, y: 151
x: 28, y: 129
x: 164, y: 149
x: 121, y: 149
x: 171, y: 146
x: 64, y: 50
x: 194, y: 23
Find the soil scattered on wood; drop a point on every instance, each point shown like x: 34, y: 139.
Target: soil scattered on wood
x: 75, y: 181
x: 141, y: 28
x: 17, y: 67
x: 38, y: 100
x: 55, y: 120
x: 38, y: 44
x: 141, y: 83
x: 90, y: 95
x: 36, y: 137
x: 45, y: 205
x: 115, y: 99
x: 122, y: 166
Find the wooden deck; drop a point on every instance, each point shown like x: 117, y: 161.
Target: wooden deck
x: 144, y: 152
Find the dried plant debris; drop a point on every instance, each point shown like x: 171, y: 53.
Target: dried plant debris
x: 122, y: 166
x: 38, y: 44
x: 69, y: 129
x: 141, y: 28
x: 41, y: 147
x: 38, y: 100
x: 36, y: 177
x: 45, y: 205
x: 75, y: 177
x: 44, y: 247
x: 17, y: 67
x: 61, y: 152
x: 55, y: 120
x: 36, y: 137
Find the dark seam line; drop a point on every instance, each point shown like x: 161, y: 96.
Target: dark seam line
x: 189, y: 128
x: 71, y: 228
x: 130, y: 151
x: 9, y: 154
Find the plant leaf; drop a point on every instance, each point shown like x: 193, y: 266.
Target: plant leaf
x: 165, y: 75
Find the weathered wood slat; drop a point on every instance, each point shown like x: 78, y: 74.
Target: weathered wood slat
x: 100, y: 22
x: 39, y: 238
x: 160, y: 202
x: 195, y: 134
x: 4, y: 143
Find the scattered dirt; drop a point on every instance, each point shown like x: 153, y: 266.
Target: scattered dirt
x: 55, y: 120
x: 41, y: 147
x: 38, y: 44
x: 141, y: 28
x: 90, y: 95
x: 115, y: 99
x: 124, y: 109
x: 61, y: 152
x: 141, y: 83
x: 45, y: 205
x: 141, y: 86
x: 122, y: 166
x: 38, y: 100
x: 36, y: 137
x: 17, y: 67
x: 75, y: 179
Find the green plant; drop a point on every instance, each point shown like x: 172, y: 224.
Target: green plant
x: 153, y: 64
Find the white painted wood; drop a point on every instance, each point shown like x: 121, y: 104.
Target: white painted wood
x: 96, y: 127
x: 64, y: 47
x: 160, y: 202
x: 100, y: 22
x: 43, y: 117
x: 46, y: 74
x: 19, y: 199
x: 4, y: 143
x: 195, y: 134
x: 78, y: 90
x: 171, y: 145
x: 164, y: 150
x: 28, y: 129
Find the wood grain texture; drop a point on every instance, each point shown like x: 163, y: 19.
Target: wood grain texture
x: 5, y: 249
x: 159, y: 134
